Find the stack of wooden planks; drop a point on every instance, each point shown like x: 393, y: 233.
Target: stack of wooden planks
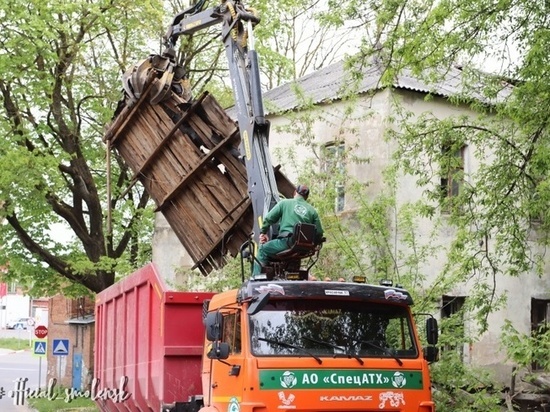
x: 186, y: 156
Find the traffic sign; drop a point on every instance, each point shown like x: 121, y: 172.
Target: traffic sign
x: 39, y: 347
x: 40, y: 332
x: 60, y: 346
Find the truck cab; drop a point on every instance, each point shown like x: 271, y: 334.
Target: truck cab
x: 310, y: 346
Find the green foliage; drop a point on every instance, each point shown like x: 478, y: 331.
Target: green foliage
x: 498, y: 219
x: 463, y: 388
x: 63, y: 402
x: 60, y: 65
x: 525, y: 350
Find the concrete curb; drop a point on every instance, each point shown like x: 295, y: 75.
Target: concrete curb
x: 10, y: 351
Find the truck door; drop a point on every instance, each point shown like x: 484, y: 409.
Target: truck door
x: 228, y: 376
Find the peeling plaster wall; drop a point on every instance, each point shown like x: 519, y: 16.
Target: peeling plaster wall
x: 366, y: 127
x: 169, y: 255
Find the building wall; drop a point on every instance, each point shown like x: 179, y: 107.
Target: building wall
x: 366, y: 128
x: 169, y: 255
x: 79, y: 335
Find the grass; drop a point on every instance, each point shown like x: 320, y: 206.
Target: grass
x: 14, y: 343
x: 60, y: 405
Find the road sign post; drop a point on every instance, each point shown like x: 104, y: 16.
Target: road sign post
x: 40, y: 347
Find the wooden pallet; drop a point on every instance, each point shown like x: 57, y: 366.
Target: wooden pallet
x: 186, y: 156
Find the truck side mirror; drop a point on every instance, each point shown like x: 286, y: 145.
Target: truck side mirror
x: 218, y: 350
x: 432, y: 331
x: 431, y: 353
x: 214, y: 326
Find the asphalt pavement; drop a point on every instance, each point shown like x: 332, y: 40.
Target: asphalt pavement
x: 17, y: 368
x: 17, y: 365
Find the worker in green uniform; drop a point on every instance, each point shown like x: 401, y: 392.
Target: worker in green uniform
x: 287, y: 213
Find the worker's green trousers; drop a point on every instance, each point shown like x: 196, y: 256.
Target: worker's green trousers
x: 269, y: 249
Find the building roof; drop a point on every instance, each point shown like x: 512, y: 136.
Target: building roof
x: 335, y: 81
x: 83, y: 320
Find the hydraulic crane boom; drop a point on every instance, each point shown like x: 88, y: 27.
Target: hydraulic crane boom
x: 238, y: 37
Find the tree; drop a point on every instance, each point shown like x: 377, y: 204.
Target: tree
x: 60, y: 65
x: 304, y: 42
x: 505, y: 196
x: 504, y: 202
x: 500, y: 213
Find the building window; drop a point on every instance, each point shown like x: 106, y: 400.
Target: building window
x: 333, y: 166
x: 452, y: 179
x: 452, y: 314
x: 12, y: 287
x: 540, y: 322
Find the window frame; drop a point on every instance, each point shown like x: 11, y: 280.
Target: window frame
x: 333, y: 160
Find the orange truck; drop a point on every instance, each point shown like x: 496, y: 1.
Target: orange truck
x: 314, y: 346
x: 268, y: 346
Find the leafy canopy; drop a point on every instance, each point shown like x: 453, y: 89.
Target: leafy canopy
x: 61, y: 63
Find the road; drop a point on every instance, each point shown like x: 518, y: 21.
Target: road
x: 18, y: 370
x: 17, y: 333
x: 15, y: 367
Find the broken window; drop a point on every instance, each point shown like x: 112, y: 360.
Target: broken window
x: 333, y: 166
x: 452, y: 316
x: 452, y: 179
x: 540, y: 322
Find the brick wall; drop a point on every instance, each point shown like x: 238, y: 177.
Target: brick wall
x: 72, y: 320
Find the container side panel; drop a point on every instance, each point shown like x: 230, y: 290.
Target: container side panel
x: 184, y: 335
x: 152, y: 339
x: 130, y: 328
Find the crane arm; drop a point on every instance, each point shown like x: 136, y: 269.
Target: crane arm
x: 237, y: 34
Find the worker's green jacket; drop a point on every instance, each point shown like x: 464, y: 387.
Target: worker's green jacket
x: 288, y: 212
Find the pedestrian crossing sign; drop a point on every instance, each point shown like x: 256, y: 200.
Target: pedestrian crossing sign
x: 40, y: 347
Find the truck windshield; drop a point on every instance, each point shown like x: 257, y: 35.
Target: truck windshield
x: 330, y: 328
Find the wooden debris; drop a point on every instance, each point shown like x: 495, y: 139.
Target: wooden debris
x: 186, y: 156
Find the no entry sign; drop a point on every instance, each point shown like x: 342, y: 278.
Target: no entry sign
x: 40, y: 332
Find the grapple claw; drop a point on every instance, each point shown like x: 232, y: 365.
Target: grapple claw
x: 161, y: 88
x: 135, y: 79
